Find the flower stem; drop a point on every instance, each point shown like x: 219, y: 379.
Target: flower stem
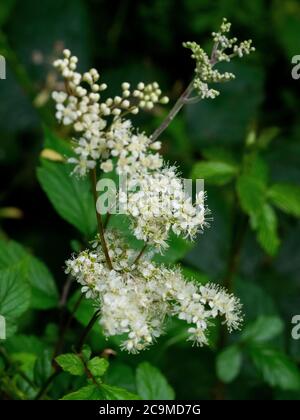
x: 46, y: 385
x: 87, y: 330
x: 140, y: 254
x: 57, y: 368
x: 65, y: 328
x: 174, y: 111
x: 99, y: 221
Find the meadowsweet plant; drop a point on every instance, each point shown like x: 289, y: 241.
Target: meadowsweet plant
x: 133, y: 295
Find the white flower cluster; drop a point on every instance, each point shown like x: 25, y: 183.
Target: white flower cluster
x: 160, y: 203
x: 136, y: 299
x: 134, y: 295
x: 204, y: 72
x: 134, y: 153
x: 82, y: 108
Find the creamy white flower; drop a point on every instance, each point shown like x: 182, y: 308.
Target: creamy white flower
x: 136, y: 299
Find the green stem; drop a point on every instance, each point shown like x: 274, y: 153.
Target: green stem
x: 46, y: 385
x: 65, y: 328
x: 99, y: 220
x: 174, y: 111
x: 140, y: 254
x: 182, y: 100
x: 87, y: 330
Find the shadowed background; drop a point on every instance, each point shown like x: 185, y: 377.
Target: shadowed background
x: 140, y: 40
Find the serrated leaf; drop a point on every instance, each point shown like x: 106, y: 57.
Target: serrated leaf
x: 218, y: 173
x: 276, y: 368
x: 151, y: 383
x: 43, y: 288
x: 71, y: 363
x: 14, y: 294
x: 100, y: 392
x: 263, y: 329
x: 70, y: 196
x: 286, y: 197
x: 228, y: 364
x: 116, y: 393
x: 89, y: 392
x: 97, y: 366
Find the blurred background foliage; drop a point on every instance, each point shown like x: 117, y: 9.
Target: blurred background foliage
x: 245, y: 144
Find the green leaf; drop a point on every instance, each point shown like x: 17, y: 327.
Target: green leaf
x: 26, y: 344
x: 14, y: 294
x: 286, y: 197
x: 100, y: 392
x: 267, y: 230
x: 70, y: 196
x: 10, y: 254
x: 89, y: 392
x: 59, y: 145
x: 43, y: 288
x: 86, y: 352
x: 263, y: 329
x: 121, y: 375
x: 115, y: 393
x: 151, y: 384
x: 11, y: 328
x: 251, y: 186
x: 228, y: 364
x: 97, y: 366
x: 44, y: 291
x: 71, y: 363
x: 218, y: 173
x: 276, y: 368
x: 42, y: 368
x: 251, y: 193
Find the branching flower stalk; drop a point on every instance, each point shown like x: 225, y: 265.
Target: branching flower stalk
x: 204, y: 72
x: 133, y: 295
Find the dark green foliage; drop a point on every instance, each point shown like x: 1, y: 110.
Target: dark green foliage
x: 245, y: 144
